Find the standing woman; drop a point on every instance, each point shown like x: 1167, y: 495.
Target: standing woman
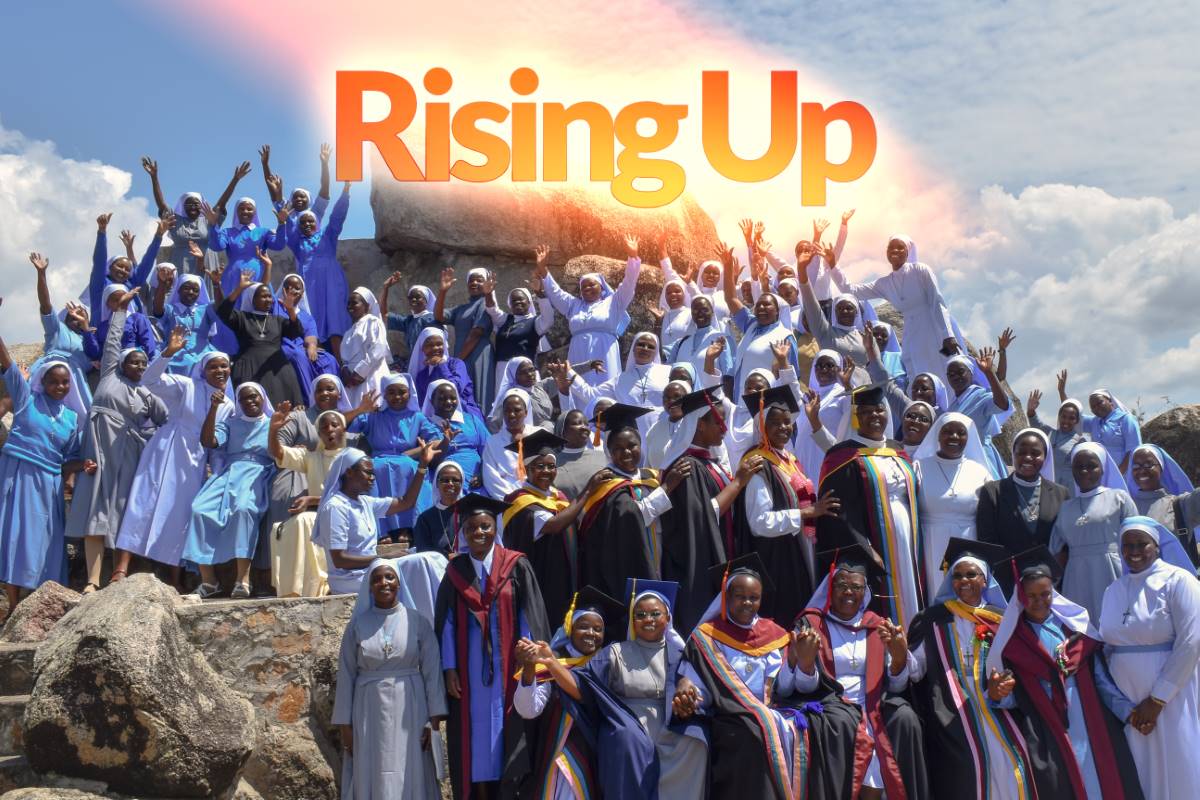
x: 464, y: 435
x: 761, y: 329
x: 520, y: 372
x: 171, y: 469
x: 43, y: 446
x: 488, y: 601
x: 640, y: 384
x: 578, y: 460
x: 243, y: 243
x: 190, y: 224
x: 841, y: 332
x: 951, y: 470
x: 187, y: 306
x: 915, y: 424
x: 831, y: 379
x: 304, y: 352
x: 599, y: 315
x: 364, y: 349
x: 1153, y: 476
x: 248, y: 312
x: 673, y: 312
x: 1110, y: 423
x: 316, y: 261
x: 693, y: 346
x: 228, y: 509
x: 420, y: 306
x: 1088, y: 527
x: 1150, y: 624
x: 519, y: 332
x: 64, y: 331
x: 987, y: 408
x: 389, y: 693
x: 1063, y: 438
x: 123, y: 417
x: 503, y: 469
x: 430, y: 361
x: 472, y: 329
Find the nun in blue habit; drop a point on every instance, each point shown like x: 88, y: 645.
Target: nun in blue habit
x: 304, y: 352
x: 392, y: 433
x: 189, y: 307
x: 227, y: 512
x: 988, y: 408
x: 241, y: 242
x: 464, y: 432
x: 1111, y: 424
x: 1152, y: 475
x: 42, y: 447
x: 316, y: 261
x: 64, y: 332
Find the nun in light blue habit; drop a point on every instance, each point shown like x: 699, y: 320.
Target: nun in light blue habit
x: 316, y: 261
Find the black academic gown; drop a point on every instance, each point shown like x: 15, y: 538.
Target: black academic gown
x: 694, y: 539
x: 998, y: 519
x: 613, y: 544
x: 548, y: 556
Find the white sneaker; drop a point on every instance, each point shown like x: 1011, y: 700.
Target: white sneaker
x: 206, y: 590
x: 240, y: 591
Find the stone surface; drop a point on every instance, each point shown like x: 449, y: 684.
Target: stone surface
x: 52, y: 793
x: 123, y: 697
x: 34, y: 616
x: 1177, y: 431
x: 16, y: 668
x: 289, y: 764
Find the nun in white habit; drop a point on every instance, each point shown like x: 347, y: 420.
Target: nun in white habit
x: 640, y: 384
x: 503, y: 469
x: 364, y: 348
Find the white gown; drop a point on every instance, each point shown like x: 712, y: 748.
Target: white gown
x: 1157, y: 611
x: 948, y: 494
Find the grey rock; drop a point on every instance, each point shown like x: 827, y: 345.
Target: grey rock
x: 288, y: 764
x: 1177, y: 431
x: 34, y: 616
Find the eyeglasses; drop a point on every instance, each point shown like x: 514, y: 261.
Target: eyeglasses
x: 966, y: 576
x: 915, y: 417
x: 842, y: 586
x: 647, y: 614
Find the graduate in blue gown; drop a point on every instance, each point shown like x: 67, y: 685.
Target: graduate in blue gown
x: 987, y: 407
x: 316, y: 261
x: 395, y: 434
x: 308, y: 359
x: 185, y: 303
x: 43, y: 446
x: 464, y: 434
x: 241, y: 242
x: 227, y: 511
x: 472, y: 331
x: 64, y: 331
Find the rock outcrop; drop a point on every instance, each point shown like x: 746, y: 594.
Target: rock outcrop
x: 123, y: 697
x: 34, y: 616
x: 1178, y: 432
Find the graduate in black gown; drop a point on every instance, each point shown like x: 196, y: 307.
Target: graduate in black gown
x: 699, y: 529
x: 620, y: 534
x: 540, y: 521
x: 487, y: 601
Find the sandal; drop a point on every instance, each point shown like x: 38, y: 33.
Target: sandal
x: 240, y: 591
x: 113, y: 577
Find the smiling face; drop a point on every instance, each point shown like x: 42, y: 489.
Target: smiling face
x: 416, y: 301
x: 189, y: 292
x: 480, y: 532
x: 674, y: 293
x: 916, y: 425
x: 56, y: 383
x: 293, y: 287
x: 433, y: 347
x: 120, y: 269
x: 671, y: 397
x: 923, y: 389
x: 702, y: 312
x: 897, y: 253
x: 710, y: 276
x: 250, y: 401
x: 1101, y: 405
x: 449, y: 484
x: 326, y: 394
x: 1029, y: 454
x: 134, y: 366
x: 518, y: 302
x: 263, y: 299
x: 587, y: 633
x: 445, y: 400
x: 514, y: 414
x: 968, y: 581
x: 542, y: 471
x: 1039, y: 594
x: 216, y: 372
x: 575, y: 429
x: 299, y: 201
x: 1087, y: 471
x: 332, y: 431
x: 191, y: 207
x: 384, y: 585
x: 625, y: 449
x: 846, y: 312
x: 872, y: 420
x: 766, y: 310
x: 1147, y: 472
x: 1138, y: 549
x: 359, y: 478
x: 307, y: 225
x: 475, y: 282
x: 827, y: 371
x: 590, y: 290
x: 1068, y: 418
x: 650, y: 619
x: 396, y: 395
x: 644, y: 350
x: 356, y: 306
x: 958, y: 376
x: 743, y: 597
x: 849, y: 590
x: 780, y: 427
x: 755, y: 382
x: 245, y: 212
x: 952, y: 439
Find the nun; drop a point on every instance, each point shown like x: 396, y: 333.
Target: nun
x: 389, y: 695
x: 1111, y: 424
x: 64, y: 331
x: 659, y: 435
x: 761, y: 329
x: 1150, y: 624
x: 915, y: 424
x: 1154, y: 476
x: 123, y: 417
x: 420, y: 311
x: 488, y: 601
x: 703, y: 331
x: 138, y: 331
x: 227, y: 511
x: 520, y: 372
x: 464, y: 435
x: 503, y: 469
x: 472, y: 329
x: 435, y: 527
x: 987, y: 408
x: 249, y: 313
x: 931, y: 389
x: 119, y: 270
x: 674, y: 306
x: 1066, y: 433
x: 315, y: 249
x: 431, y: 361
x: 364, y: 348
x: 519, y: 332
x: 190, y: 225
x: 173, y: 464
x: 827, y: 379
x: 599, y: 315
x: 841, y: 332
x: 1087, y: 534
x: 578, y: 460
x: 243, y: 243
x: 188, y: 306
x: 640, y: 384
x: 307, y: 357
x: 951, y: 471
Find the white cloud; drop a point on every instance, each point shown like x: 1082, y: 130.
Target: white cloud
x: 49, y: 204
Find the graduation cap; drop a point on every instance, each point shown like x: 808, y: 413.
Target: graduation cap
x: 1037, y: 562
x: 618, y: 416
x: 704, y: 398
x: 853, y: 558
x: 748, y: 564
x: 589, y: 599
x: 636, y: 587
x: 869, y: 395
x: 538, y: 443
x: 775, y: 397
x: 471, y: 504
x: 991, y: 554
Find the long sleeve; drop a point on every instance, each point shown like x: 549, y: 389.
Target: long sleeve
x: 765, y: 522
x: 1110, y: 695
x: 917, y: 663
x: 144, y: 267
x: 818, y: 326
x: 863, y: 291
x: 545, y: 318
x: 795, y: 680
x: 449, y: 650
x: 375, y: 350
x: 1180, y: 666
x: 897, y: 683
x: 218, y: 238
x: 168, y: 387
x: 1036, y: 422
x: 934, y: 296
x: 1057, y: 536
x: 337, y: 220
x: 431, y: 668
x: 495, y: 315
x: 623, y: 295
x: 654, y: 505
x: 558, y: 298
x: 99, y: 269
x: 343, y: 699
x: 840, y: 244
x: 583, y: 392
x: 824, y: 439
x: 530, y: 700
x: 110, y: 359
x: 986, y: 529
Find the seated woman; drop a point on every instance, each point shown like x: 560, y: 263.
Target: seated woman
x: 503, y: 470
x: 1087, y: 533
x: 434, y: 530
x: 389, y: 693
x: 976, y: 747
x: 463, y: 433
x: 430, y: 362
x: 733, y: 659
x: 1047, y: 658
x: 566, y: 765
x: 1152, y: 476
x: 1067, y: 432
x: 304, y: 352
x: 1019, y: 511
x: 1150, y: 624
x: 843, y: 654
x: 488, y: 601
x: 225, y: 517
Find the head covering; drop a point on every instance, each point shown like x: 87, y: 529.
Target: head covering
x: 267, y: 408
x: 343, y: 403
x: 179, y: 209
x: 509, y: 379
x: 333, y: 484
x: 246, y: 301
x: 393, y: 378
x: 365, y: 602
x: 427, y: 407
x: 308, y: 212
x: 1071, y: 401
x: 516, y: 391
x: 254, y: 223
x: 1047, y: 470
x: 909, y: 243
x: 617, y: 417
x: 848, y: 298
x: 108, y: 292
x: 305, y: 192
x: 630, y: 363
x: 303, y: 304
x: 871, y: 395
x: 940, y: 396
x: 695, y: 406
x: 814, y: 384
x: 322, y: 415
x: 638, y: 589
x: 426, y: 292
x: 662, y: 298
x: 539, y: 443
x: 70, y: 305
x: 202, y: 298
x: 442, y: 466
x: 127, y: 352
x: 528, y: 296
x: 1170, y: 549
x: 721, y: 575
x: 973, y: 451
x: 420, y: 576
x: 982, y: 555
x: 471, y: 504
x: 854, y: 558
x: 1174, y: 479
x: 605, y: 289
x: 197, y: 373
x: 369, y: 298
x: 416, y: 359
x: 1111, y: 479
x: 1037, y: 562
x: 689, y: 368
x: 590, y: 600
x: 893, y: 344
x: 73, y: 400
x: 1112, y: 397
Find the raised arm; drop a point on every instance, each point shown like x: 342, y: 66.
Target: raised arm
x: 1006, y: 338
x: 40, y: 265
x: 99, y: 261
x: 151, y: 167
x: 843, y: 231
x: 337, y: 217
x: 327, y: 151
x: 730, y: 268
x: 425, y: 454
x: 142, y: 273
x: 110, y: 359
x: 208, y: 433
x: 239, y: 172
x: 447, y: 281
x: 818, y: 326
x: 986, y: 363
x: 274, y: 187
x: 624, y: 293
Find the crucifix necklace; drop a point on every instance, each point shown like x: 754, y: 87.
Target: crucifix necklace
x: 261, y: 325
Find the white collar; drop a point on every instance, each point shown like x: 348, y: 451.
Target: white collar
x: 480, y: 566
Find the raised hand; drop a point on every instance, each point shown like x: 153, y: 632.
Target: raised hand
x: 489, y: 283
x: 275, y: 184
x: 210, y: 215
x: 150, y: 165
x: 176, y: 341
x: 428, y: 450
x: 804, y: 254
x: 869, y: 342
x: 393, y: 279
x: 631, y: 245
x: 819, y: 226
x: 127, y: 238
x: 827, y: 505
x: 448, y: 280
x: 194, y: 250
x: 283, y: 212
x: 102, y: 222
x: 812, y: 408
x: 246, y: 280
x: 724, y: 254
x: 541, y: 253
x: 830, y: 256
x: 241, y: 171
x: 39, y: 261
x: 846, y: 215
x: 986, y: 358
x: 1006, y: 338
x: 369, y: 402
x: 282, y: 412
x: 1035, y: 400
x: 326, y: 152
x: 780, y: 351
x: 164, y: 224
x: 264, y: 155
x: 746, y: 225
x: 264, y: 257
x: 217, y: 398
x: 127, y: 298
x: 847, y: 372
x: 657, y: 313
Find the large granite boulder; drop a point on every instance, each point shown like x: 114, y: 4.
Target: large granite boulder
x: 288, y: 763
x: 34, y: 616
x: 123, y: 697
x: 1177, y: 431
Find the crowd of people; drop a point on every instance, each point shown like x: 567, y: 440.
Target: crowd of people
x: 692, y: 569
